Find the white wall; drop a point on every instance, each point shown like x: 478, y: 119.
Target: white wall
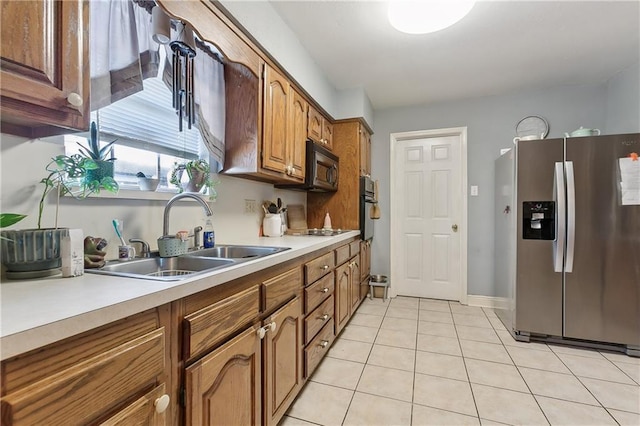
x: 22, y: 164
x: 490, y: 122
x: 623, y: 103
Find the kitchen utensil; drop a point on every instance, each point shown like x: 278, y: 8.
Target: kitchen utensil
x: 583, y: 132
x: 273, y: 208
x: 279, y: 204
x: 531, y: 127
x: 117, y: 225
x: 374, y: 212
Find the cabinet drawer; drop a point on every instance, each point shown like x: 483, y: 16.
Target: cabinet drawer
x: 318, y: 267
x: 354, y: 248
x: 342, y: 254
x: 81, y: 393
x: 278, y: 290
x: 317, y: 292
x: 317, y: 319
x: 318, y: 348
x: 141, y: 412
x: 207, y: 327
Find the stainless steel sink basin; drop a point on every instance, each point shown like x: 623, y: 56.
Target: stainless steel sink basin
x: 163, y: 269
x: 237, y: 252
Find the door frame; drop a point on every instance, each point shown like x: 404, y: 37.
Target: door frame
x: 461, y: 132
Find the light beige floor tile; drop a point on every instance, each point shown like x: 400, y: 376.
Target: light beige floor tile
x: 497, y: 324
x: 338, y: 372
x: 471, y: 320
x: 427, y: 416
x: 439, y: 344
x: 407, y: 313
x: 490, y: 313
x: 440, y: 365
x: 399, y: 339
x: 541, y: 360
x: 485, y: 351
x: 614, y: 395
x: 485, y: 422
x: 478, y: 334
x: 405, y: 302
x: 631, y: 370
x: 391, y: 357
x: 595, y: 368
x: 436, y: 329
x: 321, y: 404
x: 507, y: 339
x: 436, y: 316
x: 495, y: 374
x: 560, y: 412
x: 366, y: 320
x: 443, y: 393
x: 457, y: 308
x: 350, y: 350
x: 435, y: 305
x: 557, y: 385
x: 626, y: 418
x: 572, y: 350
x: 387, y: 382
x: 376, y: 301
x: 399, y: 324
x: 507, y: 406
x: 373, y: 410
x: 359, y: 333
x: 292, y: 421
x: 620, y: 357
x: 372, y: 309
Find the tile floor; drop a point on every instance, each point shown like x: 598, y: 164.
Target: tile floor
x: 425, y: 362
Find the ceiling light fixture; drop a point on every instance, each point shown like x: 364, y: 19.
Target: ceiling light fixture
x: 426, y: 16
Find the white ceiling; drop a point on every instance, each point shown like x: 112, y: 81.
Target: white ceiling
x: 500, y: 47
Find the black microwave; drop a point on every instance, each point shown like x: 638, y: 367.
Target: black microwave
x: 321, y: 174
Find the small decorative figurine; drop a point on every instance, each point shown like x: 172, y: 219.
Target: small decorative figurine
x: 93, y: 254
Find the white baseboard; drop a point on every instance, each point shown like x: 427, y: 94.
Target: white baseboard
x: 488, y: 301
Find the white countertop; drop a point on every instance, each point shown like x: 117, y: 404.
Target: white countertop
x: 37, y: 312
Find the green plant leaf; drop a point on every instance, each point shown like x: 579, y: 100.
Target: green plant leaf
x: 8, y: 219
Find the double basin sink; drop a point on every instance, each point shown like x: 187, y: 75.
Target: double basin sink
x: 187, y: 265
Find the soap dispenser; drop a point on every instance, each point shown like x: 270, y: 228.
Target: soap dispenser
x: 327, y: 222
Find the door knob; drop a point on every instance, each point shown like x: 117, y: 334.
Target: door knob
x: 454, y: 227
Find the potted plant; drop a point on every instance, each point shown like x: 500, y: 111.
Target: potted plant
x: 31, y: 253
x: 101, y: 156
x: 199, y: 175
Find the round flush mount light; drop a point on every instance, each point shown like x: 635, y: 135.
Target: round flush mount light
x: 426, y: 16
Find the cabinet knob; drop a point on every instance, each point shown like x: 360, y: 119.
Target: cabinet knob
x: 162, y: 403
x: 325, y: 267
x: 324, y: 317
x: 262, y: 331
x: 323, y: 343
x: 75, y: 99
x: 272, y: 326
x: 324, y: 290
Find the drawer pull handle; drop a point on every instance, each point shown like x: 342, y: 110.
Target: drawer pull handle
x: 324, y: 290
x: 162, y: 403
x: 323, y: 344
x: 262, y: 331
x: 324, y: 317
x: 325, y: 267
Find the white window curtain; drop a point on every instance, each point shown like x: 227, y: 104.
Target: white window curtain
x: 122, y: 50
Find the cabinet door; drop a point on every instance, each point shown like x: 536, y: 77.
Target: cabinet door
x: 314, y: 126
x: 224, y: 387
x: 44, y: 60
x: 282, y: 360
x: 342, y: 296
x: 365, y: 152
x: 365, y: 259
x: 354, y: 284
x: 327, y: 134
x: 297, y: 135
x: 142, y: 412
x: 276, y: 105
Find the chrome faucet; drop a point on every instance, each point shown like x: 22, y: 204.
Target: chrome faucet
x: 167, y: 208
x: 145, y: 250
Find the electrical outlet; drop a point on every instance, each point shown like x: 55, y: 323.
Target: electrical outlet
x: 250, y: 206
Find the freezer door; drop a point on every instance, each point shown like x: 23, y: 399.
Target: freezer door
x: 538, y: 286
x: 602, y: 293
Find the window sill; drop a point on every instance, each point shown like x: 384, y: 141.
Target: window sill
x: 136, y: 194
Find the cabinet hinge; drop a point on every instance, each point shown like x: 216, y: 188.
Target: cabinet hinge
x: 183, y: 397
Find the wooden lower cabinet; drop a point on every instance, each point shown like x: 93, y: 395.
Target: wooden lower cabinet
x: 342, y: 296
x: 282, y: 350
x: 225, y: 387
x: 354, y: 285
x: 144, y: 411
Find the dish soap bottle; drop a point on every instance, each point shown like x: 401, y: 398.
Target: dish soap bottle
x: 209, y: 235
x: 327, y: 222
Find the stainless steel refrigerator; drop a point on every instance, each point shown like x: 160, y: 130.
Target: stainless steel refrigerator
x: 568, y: 240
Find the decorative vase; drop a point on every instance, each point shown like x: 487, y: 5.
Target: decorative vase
x: 105, y: 169
x: 33, y: 252
x: 196, y: 181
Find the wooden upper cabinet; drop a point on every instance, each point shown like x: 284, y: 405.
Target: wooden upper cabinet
x: 276, y: 112
x: 365, y: 152
x: 298, y: 134
x: 44, y: 77
x: 320, y: 129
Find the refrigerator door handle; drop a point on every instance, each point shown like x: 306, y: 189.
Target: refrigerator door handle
x: 571, y: 216
x: 561, y: 216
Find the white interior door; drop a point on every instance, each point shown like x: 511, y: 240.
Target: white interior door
x: 427, y: 215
